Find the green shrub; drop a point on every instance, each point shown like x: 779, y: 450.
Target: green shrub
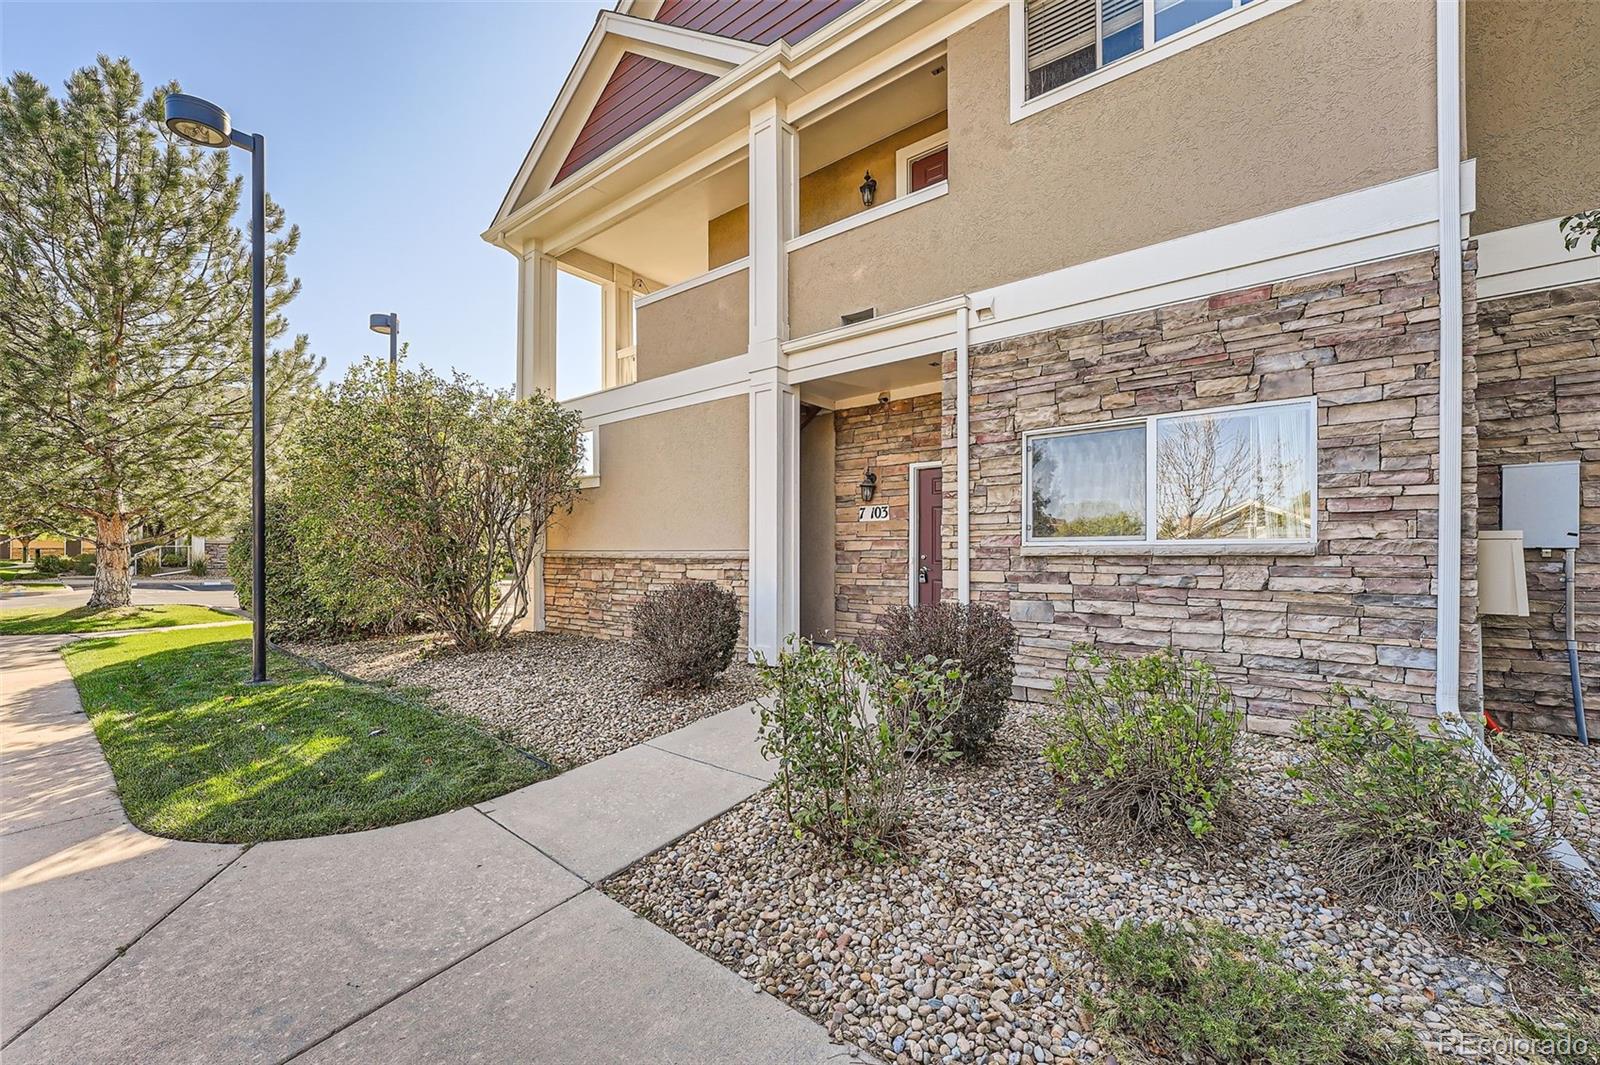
x: 198, y: 567
x: 684, y: 634
x: 1415, y: 821
x: 83, y: 565
x: 1224, y: 997
x: 1144, y: 744
x: 147, y: 565
x: 980, y: 639
x: 53, y: 565
x: 845, y: 729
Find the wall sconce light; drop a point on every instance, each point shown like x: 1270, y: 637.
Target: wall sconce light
x: 869, y: 190
x: 869, y: 486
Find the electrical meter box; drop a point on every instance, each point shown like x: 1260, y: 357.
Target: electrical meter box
x: 1541, y: 499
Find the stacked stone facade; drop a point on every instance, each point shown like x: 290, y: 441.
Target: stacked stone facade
x: 1538, y: 400
x: 873, y: 558
x: 595, y: 593
x: 1280, y: 626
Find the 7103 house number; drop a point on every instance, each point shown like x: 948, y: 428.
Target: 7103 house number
x: 873, y: 513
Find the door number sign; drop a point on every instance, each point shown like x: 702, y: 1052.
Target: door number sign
x: 879, y: 512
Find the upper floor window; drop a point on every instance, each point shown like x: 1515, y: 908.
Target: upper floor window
x: 1068, y: 39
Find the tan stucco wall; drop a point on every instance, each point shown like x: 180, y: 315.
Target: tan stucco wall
x: 817, y: 526
x: 1325, y: 97
x: 826, y: 195
x: 678, y: 480
x: 1533, y: 109
x: 728, y: 237
x: 697, y: 326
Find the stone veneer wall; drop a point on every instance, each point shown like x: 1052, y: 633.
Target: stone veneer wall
x: 595, y: 593
x: 1279, y: 628
x: 217, y: 555
x: 872, y: 571
x: 1539, y: 401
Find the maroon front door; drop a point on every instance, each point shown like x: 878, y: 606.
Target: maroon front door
x: 930, y: 169
x: 930, y: 557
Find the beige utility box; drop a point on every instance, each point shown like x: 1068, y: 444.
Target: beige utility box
x: 1502, y: 574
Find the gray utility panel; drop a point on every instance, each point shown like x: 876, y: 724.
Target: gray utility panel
x: 1541, y: 499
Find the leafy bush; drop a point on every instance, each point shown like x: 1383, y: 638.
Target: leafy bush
x: 845, y: 729
x: 147, y: 565
x: 980, y: 639
x: 306, y: 596
x: 428, y: 492
x: 1416, y: 821
x: 198, y: 568
x: 685, y: 633
x: 83, y: 566
x: 53, y: 565
x: 1221, y: 996
x: 1144, y: 744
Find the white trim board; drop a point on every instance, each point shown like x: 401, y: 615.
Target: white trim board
x: 714, y: 274
x: 871, y: 214
x: 1531, y: 258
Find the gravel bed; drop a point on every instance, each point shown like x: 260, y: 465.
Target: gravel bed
x: 969, y: 949
x: 569, y: 698
x: 1579, y: 769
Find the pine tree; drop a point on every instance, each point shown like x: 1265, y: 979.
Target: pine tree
x: 125, y: 317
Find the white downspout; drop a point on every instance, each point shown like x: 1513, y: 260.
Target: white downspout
x: 1447, y: 666
x: 1447, y: 679
x: 963, y: 457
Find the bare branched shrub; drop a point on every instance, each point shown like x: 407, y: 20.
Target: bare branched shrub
x: 1145, y: 745
x: 979, y: 639
x: 684, y: 634
x: 1418, y: 822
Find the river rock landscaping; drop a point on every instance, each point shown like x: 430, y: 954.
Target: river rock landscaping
x: 569, y: 698
x: 968, y: 947
x: 1578, y: 767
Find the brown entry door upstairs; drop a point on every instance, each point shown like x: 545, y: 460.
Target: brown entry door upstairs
x: 930, y: 556
x: 930, y: 169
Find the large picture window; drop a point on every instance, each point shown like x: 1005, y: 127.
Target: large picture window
x: 1231, y: 475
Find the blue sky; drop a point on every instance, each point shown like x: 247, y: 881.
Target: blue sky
x: 393, y: 131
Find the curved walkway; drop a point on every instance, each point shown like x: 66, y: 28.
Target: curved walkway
x: 474, y: 935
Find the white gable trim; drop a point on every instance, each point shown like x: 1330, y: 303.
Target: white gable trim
x: 613, y: 35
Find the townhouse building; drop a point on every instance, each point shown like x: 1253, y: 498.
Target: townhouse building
x: 1204, y: 324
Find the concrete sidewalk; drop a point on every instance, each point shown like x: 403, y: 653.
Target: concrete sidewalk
x: 475, y: 935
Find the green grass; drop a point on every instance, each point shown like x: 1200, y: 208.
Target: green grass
x: 82, y: 619
x: 200, y: 754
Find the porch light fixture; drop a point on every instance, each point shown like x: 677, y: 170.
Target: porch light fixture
x: 869, y: 486
x: 389, y: 325
x: 869, y: 190
x: 204, y: 123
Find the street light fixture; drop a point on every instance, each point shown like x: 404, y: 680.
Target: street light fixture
x: 204, y: 123
x: 389, y: 324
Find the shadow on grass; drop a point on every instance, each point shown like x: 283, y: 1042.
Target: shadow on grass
x: 66, y: 620
x: 199, y: 753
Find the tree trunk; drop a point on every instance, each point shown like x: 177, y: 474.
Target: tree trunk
x: 113, y: 584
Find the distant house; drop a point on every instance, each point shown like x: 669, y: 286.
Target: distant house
x: 910, y: 301
x: 18, y: 549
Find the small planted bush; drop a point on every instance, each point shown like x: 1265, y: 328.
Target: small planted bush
x: 1224, y: 997
x: 1144, y: 744
x: 1416, y: 821
x: 684, y: 634
x: 845, y: 729
x: 980, y: 639
x: 53, y: 565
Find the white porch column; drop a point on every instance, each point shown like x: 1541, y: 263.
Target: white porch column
x: 774, y: 406
x: 536, y: 322
x: 774, y: 511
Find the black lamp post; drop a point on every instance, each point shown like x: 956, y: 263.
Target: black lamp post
x: 390, y: 324
x: 204, y: 123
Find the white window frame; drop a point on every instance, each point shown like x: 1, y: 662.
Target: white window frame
x: 591, y: 480
x: 1149, y: 541
x: 904, y: 157
x: 1153, y: 51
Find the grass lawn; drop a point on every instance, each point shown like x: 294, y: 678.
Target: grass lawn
x: 81, y: 619
x: 200, y: 754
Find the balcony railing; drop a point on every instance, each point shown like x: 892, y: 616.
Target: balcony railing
x: 704, y: 319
